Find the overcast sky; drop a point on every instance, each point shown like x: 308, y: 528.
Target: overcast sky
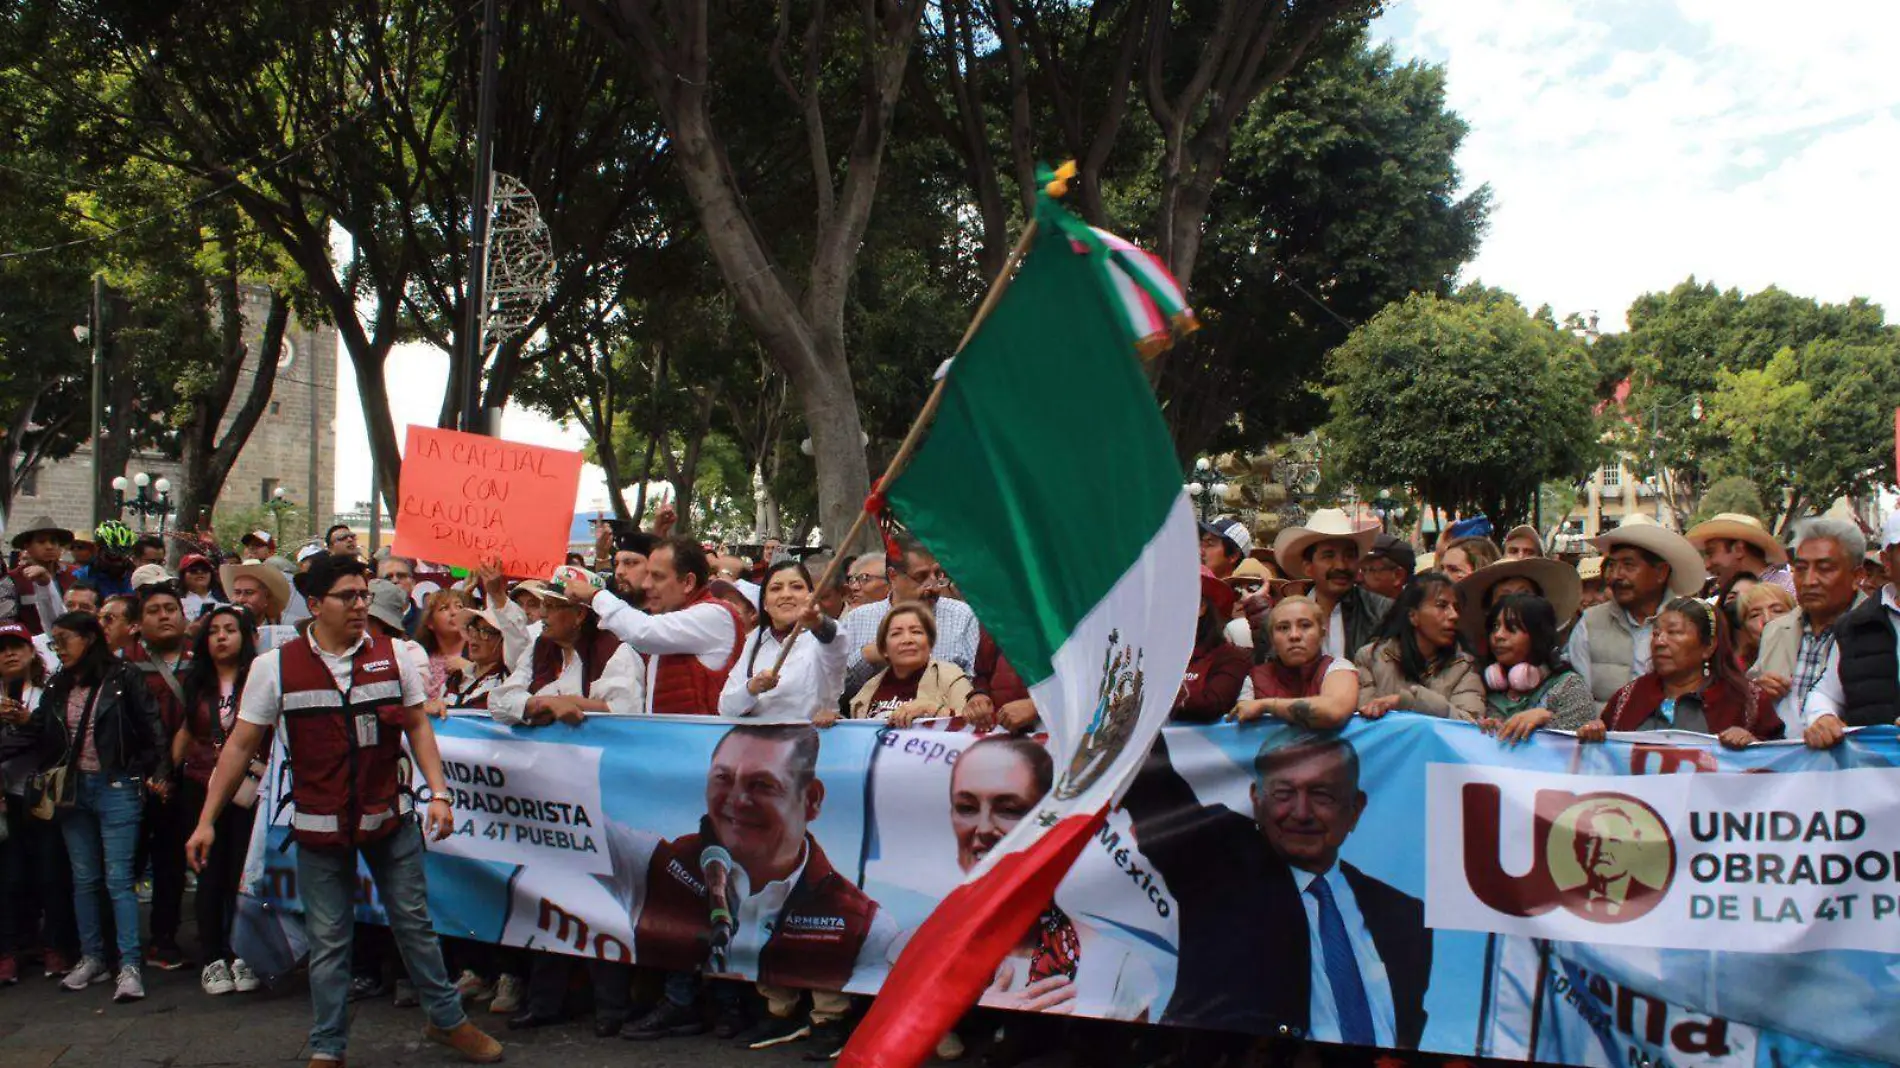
x: 1628, y: 143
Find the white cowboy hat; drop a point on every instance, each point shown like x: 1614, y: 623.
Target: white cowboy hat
x: 1327, y: 524
x: 1590, y: 569
x: 273, y: 580
x: 1557, y: 581
x: 1735, y: 526
x: 1686, y: 573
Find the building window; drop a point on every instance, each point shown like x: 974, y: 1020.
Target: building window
x: 274, y: 407
x: 30, y: 482
x: 1611, y: 475
x: 270, y: 489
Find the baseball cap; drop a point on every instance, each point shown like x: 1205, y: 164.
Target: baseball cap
x: 309, y: 551
x: 259, y: 537
x: 150, y: 575
x: 1890, y: 531
x: 14, y: 632
x: 1477, y: 526
x: 191, y: 560
x: 1231, y: 531
x: 1395, y: 549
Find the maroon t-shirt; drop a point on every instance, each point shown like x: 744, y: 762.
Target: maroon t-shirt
x: 893, y: 693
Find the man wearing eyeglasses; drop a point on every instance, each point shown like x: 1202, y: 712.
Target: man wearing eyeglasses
x: 867, y: 583
x: 345, y: 701
x: 919, y: 578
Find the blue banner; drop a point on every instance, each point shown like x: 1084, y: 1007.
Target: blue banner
x: 1408, y: 882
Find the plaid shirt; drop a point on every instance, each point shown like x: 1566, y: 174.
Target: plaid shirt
x: 1810, y: 662
x: 957, y: 638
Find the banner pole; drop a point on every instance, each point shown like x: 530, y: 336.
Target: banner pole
x: 916, y: 435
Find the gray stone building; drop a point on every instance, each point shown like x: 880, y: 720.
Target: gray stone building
x: 293, y: 446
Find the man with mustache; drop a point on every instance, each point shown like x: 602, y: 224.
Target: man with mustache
x: 1643, y: 564
x: 790, y: 919
x: 1278, y: 934
x: 1327, y: 551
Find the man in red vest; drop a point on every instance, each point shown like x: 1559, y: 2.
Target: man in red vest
x: 785, y: 916
x: 346, y: 700
x: 692, y: 637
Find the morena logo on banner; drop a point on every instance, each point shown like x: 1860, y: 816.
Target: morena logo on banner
x: 1606, y: 857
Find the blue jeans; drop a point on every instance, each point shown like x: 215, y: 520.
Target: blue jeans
x: 102, y: 834
x: 326, y: 881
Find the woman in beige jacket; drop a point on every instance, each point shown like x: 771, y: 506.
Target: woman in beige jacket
x: 1415, y: 665
x: 913, y: 686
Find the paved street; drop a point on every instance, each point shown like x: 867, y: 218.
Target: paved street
x: 177, y: 1025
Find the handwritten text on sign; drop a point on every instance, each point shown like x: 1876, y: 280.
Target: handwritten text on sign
x: 466, y: 497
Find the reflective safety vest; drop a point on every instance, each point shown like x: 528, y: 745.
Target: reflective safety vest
x: 345, y: 746
x: 685, y: 686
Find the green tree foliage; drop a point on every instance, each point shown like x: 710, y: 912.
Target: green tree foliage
x: 1341, y: 197
x: 1679, y: 347
x: 1810, y: 425
x: 1470, y: 401
x: 1735, y: 495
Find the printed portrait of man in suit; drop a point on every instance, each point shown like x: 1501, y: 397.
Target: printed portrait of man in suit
x: 1276, y: 930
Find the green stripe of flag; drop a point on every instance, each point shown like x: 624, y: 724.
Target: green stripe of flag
x: 1047, y: 469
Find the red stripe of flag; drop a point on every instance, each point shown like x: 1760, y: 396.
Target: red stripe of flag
x: 952, y: 958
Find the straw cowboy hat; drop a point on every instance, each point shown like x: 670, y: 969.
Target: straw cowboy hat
x: 1590, y: 569
x: 1556, y: 580
x: 41, y: 524
x: 276, y: 586
x: 1250, y: 570
x: 1686, y: 573
x: 1327, y: 524
x: 1735, y: 526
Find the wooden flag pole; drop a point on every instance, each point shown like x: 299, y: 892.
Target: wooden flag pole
x: 916, y: 435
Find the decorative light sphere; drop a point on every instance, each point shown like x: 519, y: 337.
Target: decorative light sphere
x: 163, y: 485
x: 120, y: 483
x: 141, y: 480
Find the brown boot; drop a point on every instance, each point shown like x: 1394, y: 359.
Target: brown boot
x: 471, y: 1042
x: 326, y: 1062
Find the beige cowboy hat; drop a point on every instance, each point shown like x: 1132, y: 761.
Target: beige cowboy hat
x: 1327, y: 524
x: 42, y: 524
x: 1558, y: 582
x: 1590, y: 569
x: 273, y: 580
x: 1735, y: 526
x: 1525, y: 530
x: 1686, y: 573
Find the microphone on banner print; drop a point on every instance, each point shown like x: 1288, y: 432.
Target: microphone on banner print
x: 715, y: 866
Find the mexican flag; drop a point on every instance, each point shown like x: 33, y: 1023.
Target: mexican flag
x: 1049, y: 488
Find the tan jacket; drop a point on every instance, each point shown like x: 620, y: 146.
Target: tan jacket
x: 1781, y: 642
x: 943, y: 685
x: 1457, y: 692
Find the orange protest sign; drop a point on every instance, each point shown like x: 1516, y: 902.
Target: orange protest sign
x: 465, y: 497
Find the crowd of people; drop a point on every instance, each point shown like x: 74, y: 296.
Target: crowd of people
x: 139, y: 698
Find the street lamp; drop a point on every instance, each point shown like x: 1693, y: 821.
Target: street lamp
x: 1207, y: 487
x: 1694, y: 404
x: 280, y: 503
x: 143, y: 504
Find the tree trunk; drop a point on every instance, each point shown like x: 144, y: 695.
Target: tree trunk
x: 209, y: 456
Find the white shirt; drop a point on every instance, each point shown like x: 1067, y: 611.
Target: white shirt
x: 1829, y: 698
x: 1322, y: 1010
x: 274, y: 636
x: 621, y: 684
x: 1577, y: 651
x: 704, y: 630
x: 812, y: 678
x: 1335, y: 644
x: 263, y: 702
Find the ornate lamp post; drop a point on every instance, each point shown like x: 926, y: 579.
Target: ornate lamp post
x: 144, y: 504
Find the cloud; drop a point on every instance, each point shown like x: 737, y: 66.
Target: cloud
x: 1632, y: 144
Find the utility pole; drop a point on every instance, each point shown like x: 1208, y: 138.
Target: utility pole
x: 481, y: 203
x: 98, y: 381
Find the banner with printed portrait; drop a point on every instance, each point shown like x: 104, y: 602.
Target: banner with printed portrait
x: 1404, y: 883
